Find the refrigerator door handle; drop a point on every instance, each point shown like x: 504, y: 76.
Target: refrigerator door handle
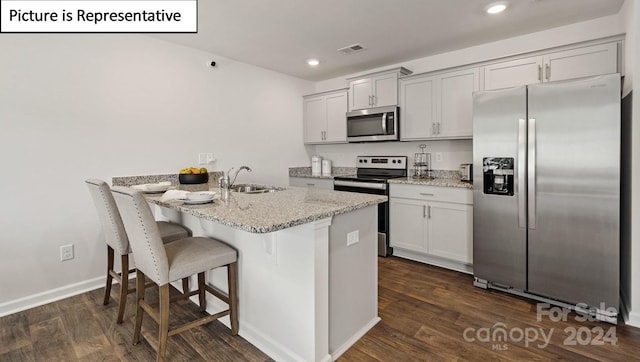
x: 522, y: 190
x: 531, y: 155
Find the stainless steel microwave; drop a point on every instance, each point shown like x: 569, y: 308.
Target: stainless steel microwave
x: 373, y: 124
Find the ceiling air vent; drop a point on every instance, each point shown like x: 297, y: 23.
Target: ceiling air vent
x: 351, y: 49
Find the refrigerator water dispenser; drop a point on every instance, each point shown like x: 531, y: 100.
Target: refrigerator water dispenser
x: 497, y: 175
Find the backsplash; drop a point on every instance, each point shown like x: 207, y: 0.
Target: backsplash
x: 453, y: 152
x: 173, y: 178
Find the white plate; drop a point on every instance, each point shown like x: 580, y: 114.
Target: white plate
x: 200, y: 195
x: 196, y: 202
x: 157, y: 188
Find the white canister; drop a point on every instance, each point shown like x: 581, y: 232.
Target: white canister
x: 316, y: 165
x: 326, y: 167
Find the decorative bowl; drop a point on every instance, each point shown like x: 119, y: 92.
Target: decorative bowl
x: 201, y: 178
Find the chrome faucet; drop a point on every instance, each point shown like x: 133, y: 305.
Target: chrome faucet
x: 224, y: 181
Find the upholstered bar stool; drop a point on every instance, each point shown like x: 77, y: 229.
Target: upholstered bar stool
x: 170, y: 262
x: 117, y: 241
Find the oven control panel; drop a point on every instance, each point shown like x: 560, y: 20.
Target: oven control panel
x: 390, y: 162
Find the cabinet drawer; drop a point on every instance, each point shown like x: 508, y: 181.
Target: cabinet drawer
x: 432, y: 193
x: 321, y: 183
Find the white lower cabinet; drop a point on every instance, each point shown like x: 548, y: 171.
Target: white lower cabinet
x: 433, y: 225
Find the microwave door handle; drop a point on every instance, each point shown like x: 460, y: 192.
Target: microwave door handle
x: 384, y: 123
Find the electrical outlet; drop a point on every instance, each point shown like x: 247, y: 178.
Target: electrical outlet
x: 202, y: 158
x: 438, y: 156
x: 210, y: 158
x: 66, y: 252
x: 353, y: 237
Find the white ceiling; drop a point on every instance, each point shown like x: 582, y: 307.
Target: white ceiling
x: 282, y: 34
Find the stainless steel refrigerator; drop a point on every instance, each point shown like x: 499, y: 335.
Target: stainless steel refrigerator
x: 546, y: 192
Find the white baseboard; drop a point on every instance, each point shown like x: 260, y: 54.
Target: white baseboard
x: 49, y: 296
x: 433, y: 260
x: 351, y: 341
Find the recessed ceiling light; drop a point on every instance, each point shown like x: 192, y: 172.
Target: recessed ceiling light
x: 313, y: 62
x: 496, y: 7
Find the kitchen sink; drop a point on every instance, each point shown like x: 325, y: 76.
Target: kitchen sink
x: 253, y: 189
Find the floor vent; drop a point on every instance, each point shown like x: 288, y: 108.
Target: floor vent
x: 351, y: 49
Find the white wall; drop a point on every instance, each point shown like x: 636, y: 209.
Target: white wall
x: 457, y: 152
x: 78, y: 106
x: 631, y: 18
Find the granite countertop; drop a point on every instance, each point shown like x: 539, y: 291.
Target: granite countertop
x: 443, y: 182
x: 273, y: 211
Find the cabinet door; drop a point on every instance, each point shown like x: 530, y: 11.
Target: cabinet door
x: 455, y: 118
x: 417, y: 108
x: 582, y: 62
x: 315, y: 118
x: 385, y: 90
x: 450, y: 229
x: 513, y: 73
x: 360, y: 96
x: 407, y: 224
x: 336, y: 118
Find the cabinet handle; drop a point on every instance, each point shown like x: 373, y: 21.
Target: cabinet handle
x: 438, y: 127
x: 373, y: 100
x: 424, y: 211
x: 426, y: 194
x: 547, y: 71
x: 433, y: 128
x: 370, y: 103
x: 429, y: 212
x: 540, y: 73
x: 309, y: 184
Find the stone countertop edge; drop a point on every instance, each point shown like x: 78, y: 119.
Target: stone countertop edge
x: 441, y: 182
x: 268, y: 228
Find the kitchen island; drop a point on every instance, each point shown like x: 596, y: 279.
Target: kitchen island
x: 307, y: 266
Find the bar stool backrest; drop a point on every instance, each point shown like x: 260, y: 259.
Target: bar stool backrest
x: 114, y: 231
x: 144, y: 234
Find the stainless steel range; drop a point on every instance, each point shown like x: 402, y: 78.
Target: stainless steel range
x: 371, y: 178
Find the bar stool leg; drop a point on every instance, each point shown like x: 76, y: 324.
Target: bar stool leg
x: 202, y: 293
x: 164, y: 321
x: 185, y: 286
x: 107, y: 287
x: 232, y: 280
x: 139, y: 299
x: 124, y: 287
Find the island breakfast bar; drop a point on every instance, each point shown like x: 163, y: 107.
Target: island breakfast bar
x: 307, y: 265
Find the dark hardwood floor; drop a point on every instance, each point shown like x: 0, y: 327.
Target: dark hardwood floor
x: 428, y: 314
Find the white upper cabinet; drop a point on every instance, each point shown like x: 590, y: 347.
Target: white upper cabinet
x: 568, y: 64
x: 581, y: 62
x: 375, y: 90
x: 438, y: 106
x: 455, y: 118
x: 513, y: 73
x: 418, y: 107
x: 325, y: 117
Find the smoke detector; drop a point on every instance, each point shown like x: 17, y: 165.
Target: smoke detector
x: 351, y: 49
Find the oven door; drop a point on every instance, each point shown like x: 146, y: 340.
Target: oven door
x: 374, y: 124
x: 383, y: 208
